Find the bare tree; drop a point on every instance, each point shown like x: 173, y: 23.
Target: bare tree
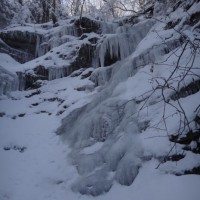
x: 174, y: 100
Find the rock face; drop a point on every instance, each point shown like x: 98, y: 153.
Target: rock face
x: 19, y: 55
x: 192, y: 88
x: 106, y: 119
x: 24, y: 46
x: 29, y: 80
x: 104, y: 134
x: 20, y: 40
x: 20, y: 45
x: 87, y: 25
x: 84, y: 57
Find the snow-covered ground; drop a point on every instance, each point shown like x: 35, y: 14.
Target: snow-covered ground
x: 34, y: 163
x: 33, y: 158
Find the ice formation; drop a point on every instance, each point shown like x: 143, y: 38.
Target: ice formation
x: 101, y: 75
x: 55, y: 72
x: 112, y: 122
x: 122, y: 43
x: 109, y: 118
x: 108, y: 28
x: 50, y: 40
x: 104, y: 131
x: 8, y: 81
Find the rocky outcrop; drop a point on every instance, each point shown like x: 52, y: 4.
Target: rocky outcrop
x: 83, y: 58
x: 87, y: 25
x: 20, y: 45
x: 31, y: 79
x: 190, y: 89
x: 19, y: 55
x: 20, y: 40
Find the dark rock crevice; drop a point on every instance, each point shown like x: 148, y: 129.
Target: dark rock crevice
x: 18, y: 44
x: 190, y: 89
x: 195, y: 170
x: 86, y: 25
x: 186, y: 140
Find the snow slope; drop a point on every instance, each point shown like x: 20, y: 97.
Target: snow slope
x: 34, y: 161
x: 36, y: 164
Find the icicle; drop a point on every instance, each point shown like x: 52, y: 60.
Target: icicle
x: 108, y: 27
x: 8, y: 81
x: 101, y: 75
x: 70, y: 30
x: 117, y: 46
x: 44, y: 43
x: 55, y: 73
x: 21, y: 81
x: 123, y: 43
x: 37, y: 54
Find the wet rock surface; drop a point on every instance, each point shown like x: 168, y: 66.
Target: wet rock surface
x: 20, y: 45
x: 87, y: 25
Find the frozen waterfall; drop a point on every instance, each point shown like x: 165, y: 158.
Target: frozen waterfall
x: 111, y: 122
x: 121, y: 44
x: 55, y: 72
x: 8, y: 81
x: 103, y: 135
x: 50, y: 40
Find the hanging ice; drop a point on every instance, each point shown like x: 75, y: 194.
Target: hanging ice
x: 55, y: 72
x: 8, y: 81
x: 60, y: 36
x: 107, y: 27
x: 120, y: 45
x: 109, y: 119
x: 112, y: 122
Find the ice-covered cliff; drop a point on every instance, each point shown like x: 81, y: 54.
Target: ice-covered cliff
x: 112, y: 120
x: 123, y: 97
